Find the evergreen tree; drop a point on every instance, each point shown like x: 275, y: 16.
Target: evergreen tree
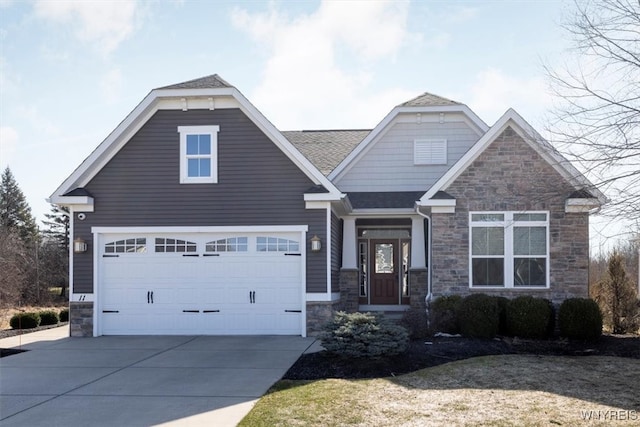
x: 15, y: 212
x: 57, y: 226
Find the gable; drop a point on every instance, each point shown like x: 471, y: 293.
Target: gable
x: 561, y: 166
x: 510, y: 175
x: 190, y: 97
x: 411, y: 154
x: 253, y: 173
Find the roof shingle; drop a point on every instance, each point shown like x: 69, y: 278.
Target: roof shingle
x: 428, y: 99
x: 208, y: 82
x: 325, y: 148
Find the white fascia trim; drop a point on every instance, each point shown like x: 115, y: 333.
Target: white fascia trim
x: 348, y: 161
x: 437, y: 202
x: 322, y: 297
x: 203, y: 229
x: 323, y: 197
x: 443, y: 209
x: 581, y: 205
x: 528, y: 134
x: 79, y: 203
x: 383, y: 212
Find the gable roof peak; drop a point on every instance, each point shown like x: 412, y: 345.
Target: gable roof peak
x: 428, y: 100
x: 207, y: 82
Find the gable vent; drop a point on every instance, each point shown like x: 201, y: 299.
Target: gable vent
x: 430, y: 152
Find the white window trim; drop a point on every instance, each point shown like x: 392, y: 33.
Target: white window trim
x: 508, y: 256
x: 431, y: 160
x: 198, y: 130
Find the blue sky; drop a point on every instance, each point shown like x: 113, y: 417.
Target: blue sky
x: 71, y: 71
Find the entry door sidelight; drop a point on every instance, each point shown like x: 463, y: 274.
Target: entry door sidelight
x: 384, y: 272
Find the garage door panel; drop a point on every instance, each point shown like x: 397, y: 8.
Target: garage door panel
x: 244, y: 292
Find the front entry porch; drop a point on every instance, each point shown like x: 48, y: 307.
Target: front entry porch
x: 384, y: 263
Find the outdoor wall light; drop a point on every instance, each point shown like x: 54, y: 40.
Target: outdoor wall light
x: 79, y: 246
x: 316, y: 245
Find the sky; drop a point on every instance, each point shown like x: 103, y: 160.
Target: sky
x: 70, y: 71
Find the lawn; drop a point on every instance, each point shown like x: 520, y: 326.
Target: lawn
x: 504, y: 390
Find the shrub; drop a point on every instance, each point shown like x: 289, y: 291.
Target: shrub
x: 49, y: 317
x: 478, y: 316
x: 415, y: 321
x: 363, y: 335
x: 443, y: 314
x: 27, y: 320
x: 580, y: 318
x: 64, y: 315
x: 617, y: 297
x: 529, y: 317
x: 502, y: 314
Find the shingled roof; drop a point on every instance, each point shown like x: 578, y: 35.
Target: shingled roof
x: 207, y: 82
x: 428, y: 99
x: 326, y: 148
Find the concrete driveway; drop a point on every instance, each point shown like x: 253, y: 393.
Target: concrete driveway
x: 142, y: 381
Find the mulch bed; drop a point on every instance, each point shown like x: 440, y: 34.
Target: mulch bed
x: 447, y: 349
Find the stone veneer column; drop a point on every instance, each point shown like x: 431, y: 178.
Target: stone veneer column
x: 349, y: 292
x: 81, y: 319
x: 418, y: 287
x: 319, y: 313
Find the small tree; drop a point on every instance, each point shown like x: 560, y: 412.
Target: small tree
x: 617, y: 297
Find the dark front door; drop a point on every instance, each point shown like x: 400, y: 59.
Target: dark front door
x: 384, y: 274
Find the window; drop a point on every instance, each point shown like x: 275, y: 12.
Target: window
x: 509, y: 249
x: 274, y: 244
x: 136, y: 245
x: 231, y: 244
x: 174, y: 245
x: 430, y: 152
x: 198, y: 154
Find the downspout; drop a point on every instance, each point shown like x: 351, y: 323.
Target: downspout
x: 429, y: 297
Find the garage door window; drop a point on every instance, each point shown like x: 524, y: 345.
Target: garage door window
x: 231, y: 244
x: 275, y: 244
x: 174, y: 245
x: 136, y: 245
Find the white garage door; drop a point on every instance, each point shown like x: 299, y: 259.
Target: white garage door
x: 200, y: 284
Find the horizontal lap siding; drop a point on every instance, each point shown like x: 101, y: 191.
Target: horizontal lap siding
x: 336, y: 252
x: 257, y: 185
x: 388, y: 165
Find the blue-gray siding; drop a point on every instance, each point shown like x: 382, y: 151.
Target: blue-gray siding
x: 336, y: 252
x: 257, y: 185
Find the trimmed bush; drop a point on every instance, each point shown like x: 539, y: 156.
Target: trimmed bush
x: 443, y: 312
x: 27, y: 320
x: 502, y: 315
x: 48, y: 317
x: 415, y: 321
x: 363, y: 335
x: 478, y: 316
x: 529, y: 317
x: 580, y: 318
x: 64, y: 315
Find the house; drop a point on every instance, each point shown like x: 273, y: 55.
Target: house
x: 197, y: 216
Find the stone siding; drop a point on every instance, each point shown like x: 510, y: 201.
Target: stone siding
x: 319, y: 313
x: 81, y: 319
x: 418, y: 287
x: 510, y: 176
x: 349, y: 292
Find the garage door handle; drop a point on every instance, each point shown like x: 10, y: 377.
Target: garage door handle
x: 293, y: 311
x: 252, y: 297
x: 191, y: 311
x: 111, y: 311
x: 211, y: 311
